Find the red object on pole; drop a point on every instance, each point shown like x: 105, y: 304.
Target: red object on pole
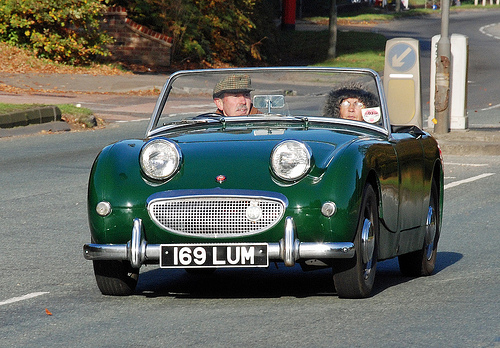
x: 288, y: 15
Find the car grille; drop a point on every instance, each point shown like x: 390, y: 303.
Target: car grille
x: 216, y: 216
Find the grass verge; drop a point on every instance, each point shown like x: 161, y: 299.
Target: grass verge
x: 354, y: 49
x: 75, y: 116
x: 8, y: 108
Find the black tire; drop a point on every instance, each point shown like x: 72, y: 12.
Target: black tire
x: 115, y: 278
x: 422, y: 262
x: 354, y: 278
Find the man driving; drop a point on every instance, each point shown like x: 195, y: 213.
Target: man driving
x: 232, y: 96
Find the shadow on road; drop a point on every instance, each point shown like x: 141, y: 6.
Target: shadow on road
x: 265, y: 283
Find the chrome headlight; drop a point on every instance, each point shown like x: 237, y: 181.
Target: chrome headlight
x: 160, y: 159
x: 291, y: 160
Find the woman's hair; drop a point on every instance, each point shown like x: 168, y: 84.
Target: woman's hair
x: 353, y: 90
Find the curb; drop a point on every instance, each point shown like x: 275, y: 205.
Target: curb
x: 48, y: 127
x: 27, y: 117
x: 472, y: 142
x: 469, y: 149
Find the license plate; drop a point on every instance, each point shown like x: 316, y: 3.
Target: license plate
x: 214, y: 255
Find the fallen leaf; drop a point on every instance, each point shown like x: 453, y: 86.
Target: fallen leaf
x: 47, y: 311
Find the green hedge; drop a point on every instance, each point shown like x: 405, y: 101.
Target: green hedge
x: 61, y: 30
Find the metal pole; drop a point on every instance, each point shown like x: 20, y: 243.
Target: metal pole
x: 332, y: 31
x: 443, y: 66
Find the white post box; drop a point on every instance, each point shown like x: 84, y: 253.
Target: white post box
x: 458, y: 81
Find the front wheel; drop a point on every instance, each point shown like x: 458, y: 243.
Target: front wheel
x: 116, y: 278
x: 422, y: 262
x: 354, y: 278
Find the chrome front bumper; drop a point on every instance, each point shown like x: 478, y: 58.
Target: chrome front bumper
x: 289, y: 249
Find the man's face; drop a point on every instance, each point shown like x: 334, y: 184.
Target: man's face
x: 234, y: 104
x: 350, y: 109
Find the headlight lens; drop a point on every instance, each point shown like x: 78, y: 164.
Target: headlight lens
x: 291, y: 160
x: 160, y: 159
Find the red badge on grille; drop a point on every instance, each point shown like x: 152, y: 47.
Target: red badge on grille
x: 220, y: 179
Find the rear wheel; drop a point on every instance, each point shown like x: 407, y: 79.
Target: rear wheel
x: 422, y: 262
x: 115, y: 278
x: 354, y: 277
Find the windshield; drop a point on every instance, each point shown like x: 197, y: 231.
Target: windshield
x: 342, y: 94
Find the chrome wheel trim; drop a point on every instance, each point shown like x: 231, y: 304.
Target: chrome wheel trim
x: 367, y: 247
x: 430, y: 233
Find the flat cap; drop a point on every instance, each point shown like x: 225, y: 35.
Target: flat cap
x: 233, y: 84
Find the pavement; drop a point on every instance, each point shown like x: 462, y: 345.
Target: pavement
x: 132, y: 97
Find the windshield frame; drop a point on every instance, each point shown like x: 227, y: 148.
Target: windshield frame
x: 154, y: 129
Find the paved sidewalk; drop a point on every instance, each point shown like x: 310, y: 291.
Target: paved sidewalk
x: 113, y: 98
x: 84, y: 83
x: 124, y: 103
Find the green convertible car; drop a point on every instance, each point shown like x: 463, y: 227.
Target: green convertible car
x: 243, y: 167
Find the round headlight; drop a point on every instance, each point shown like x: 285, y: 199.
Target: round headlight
x: 291, y: 160
x: 160, y: 159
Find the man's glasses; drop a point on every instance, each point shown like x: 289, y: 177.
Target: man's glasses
x: 357, y: 105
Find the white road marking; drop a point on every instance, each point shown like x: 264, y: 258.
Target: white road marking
x: 466, y: 164
x: 22, y: 298
x: 135, y: 120
x: 483, y: 31
x: 491, y: 107
x: 465, y: 181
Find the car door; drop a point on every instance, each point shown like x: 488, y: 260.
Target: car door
x: 409, y: 152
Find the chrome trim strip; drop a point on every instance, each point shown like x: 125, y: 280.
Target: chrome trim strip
x: 326, y: 250
x: 289, y: 246
x: 136, y: 247
x: 251, y: 118
x: 289, y: 249
x: 218, y: 192
x: 105, y: 252
x: 306, y: 250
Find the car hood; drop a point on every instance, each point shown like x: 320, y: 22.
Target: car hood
x: 256, y: 143
x: 241, y: 155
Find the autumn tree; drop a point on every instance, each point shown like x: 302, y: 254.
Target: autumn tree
x: 62, y: 30
x: 236, y: 32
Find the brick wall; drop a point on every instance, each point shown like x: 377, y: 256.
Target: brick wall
x: 135, y: 43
